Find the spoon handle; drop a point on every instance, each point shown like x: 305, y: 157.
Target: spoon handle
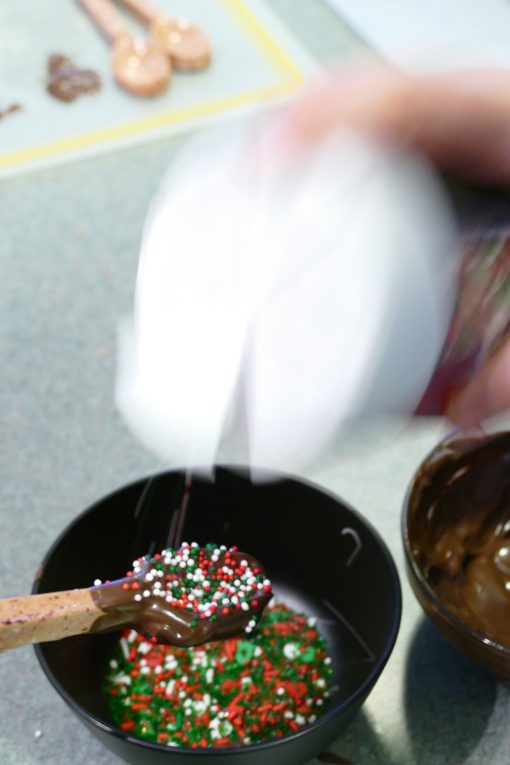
x: 144, y: 9
x: 49, y: 616
x: 105, y: 15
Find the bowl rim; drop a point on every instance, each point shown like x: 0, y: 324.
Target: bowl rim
x: 363, y: 688
x: 459, y: 624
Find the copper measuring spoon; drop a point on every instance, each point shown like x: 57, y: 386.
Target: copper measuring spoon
x: 186, y: 43
x: 139, y: 66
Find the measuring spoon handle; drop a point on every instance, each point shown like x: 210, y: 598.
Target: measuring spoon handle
x: 144, y: 9
x: 107, y: 18
x: 49, y: 616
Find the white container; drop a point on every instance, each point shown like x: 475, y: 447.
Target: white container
x: 280, y: 296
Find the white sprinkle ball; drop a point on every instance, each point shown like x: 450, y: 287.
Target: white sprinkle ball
x: 291, y: 650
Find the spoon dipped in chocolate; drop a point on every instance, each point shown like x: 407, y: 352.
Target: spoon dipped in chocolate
x: 182, y: 597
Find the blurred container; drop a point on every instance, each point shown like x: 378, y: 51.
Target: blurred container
x: 283, y: 294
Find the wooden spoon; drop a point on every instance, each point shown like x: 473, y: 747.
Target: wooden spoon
x: 140, y: 66
x: 187, y: 44
x: 143, y: 601
x: 51, y: 616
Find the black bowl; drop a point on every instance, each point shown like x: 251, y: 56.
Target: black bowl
x: 322, y: 557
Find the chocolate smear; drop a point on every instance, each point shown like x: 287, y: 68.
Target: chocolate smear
x: 11, y: 109
x: 67, y: 81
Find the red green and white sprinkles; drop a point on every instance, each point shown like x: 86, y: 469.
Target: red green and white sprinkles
x: 232, y: 692
x: 210, y: 582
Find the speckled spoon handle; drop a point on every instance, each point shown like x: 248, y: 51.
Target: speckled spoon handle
x: 49, y: 616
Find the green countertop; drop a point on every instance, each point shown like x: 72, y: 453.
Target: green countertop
x: 68, y: 256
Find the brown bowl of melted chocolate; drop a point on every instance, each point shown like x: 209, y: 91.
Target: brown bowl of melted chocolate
x: 456, y: 533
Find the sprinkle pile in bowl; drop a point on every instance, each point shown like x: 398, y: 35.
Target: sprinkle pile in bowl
x: 238, y: 691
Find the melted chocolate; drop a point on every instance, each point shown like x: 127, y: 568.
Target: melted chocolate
x: 459, y: 529
x: 66, y: 81
x: 155, y: 617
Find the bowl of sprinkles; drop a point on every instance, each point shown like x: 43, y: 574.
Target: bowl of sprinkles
x: 268, y: 662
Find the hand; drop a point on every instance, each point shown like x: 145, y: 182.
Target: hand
x: 461, y: 121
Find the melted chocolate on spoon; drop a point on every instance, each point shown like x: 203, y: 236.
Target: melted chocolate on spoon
x: 459, y: 529
x: 187, y: 596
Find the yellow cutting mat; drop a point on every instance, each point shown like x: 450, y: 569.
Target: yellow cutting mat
x: 255, y: 60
